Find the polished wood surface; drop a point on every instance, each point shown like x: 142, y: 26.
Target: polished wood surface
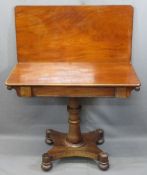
x: 71, y: 91
x: 75, y: 143
x: 74, y: 51
x: 69, y: 33
x: 73, y: 74
x: 68, y: 91
x: 73, y: 47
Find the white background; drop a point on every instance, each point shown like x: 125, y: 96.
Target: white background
x: 23, y: 120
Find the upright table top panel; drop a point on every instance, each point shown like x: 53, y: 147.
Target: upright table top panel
x: 69, y: 33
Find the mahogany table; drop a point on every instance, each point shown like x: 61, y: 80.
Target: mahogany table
x: 74, y: 51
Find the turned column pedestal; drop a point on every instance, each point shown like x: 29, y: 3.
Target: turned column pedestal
x: 74, y: 136
x: 74, y: 143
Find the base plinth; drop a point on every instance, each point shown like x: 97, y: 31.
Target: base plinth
x: 74, y: 143
x: 62, y: 149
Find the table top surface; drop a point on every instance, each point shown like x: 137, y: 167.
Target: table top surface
x: 74, y: 46
x: 73, y: 74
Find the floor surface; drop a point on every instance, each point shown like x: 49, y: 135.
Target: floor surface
x: 22, y: 155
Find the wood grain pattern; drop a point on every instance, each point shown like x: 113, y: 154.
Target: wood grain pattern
x: 74, y: 51
x: 73, y: 74
x: 66, y: 33
x: 75, y: 143
x: 72, y: 91
x: 121, y: 92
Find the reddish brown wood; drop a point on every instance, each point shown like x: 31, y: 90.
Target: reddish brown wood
x: 82, y: 46
x: 74, y: 136
x: 73, y: 74
x: 74, y: 51
x: 72, y: 91
x: 69, y: 33
x: 74, y: 144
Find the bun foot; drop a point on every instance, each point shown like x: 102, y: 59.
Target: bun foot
x: 103, y: 166
x: 103, y: 161
x: 46, y: 167
x: 100, y: 137
x: 46, y: 162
